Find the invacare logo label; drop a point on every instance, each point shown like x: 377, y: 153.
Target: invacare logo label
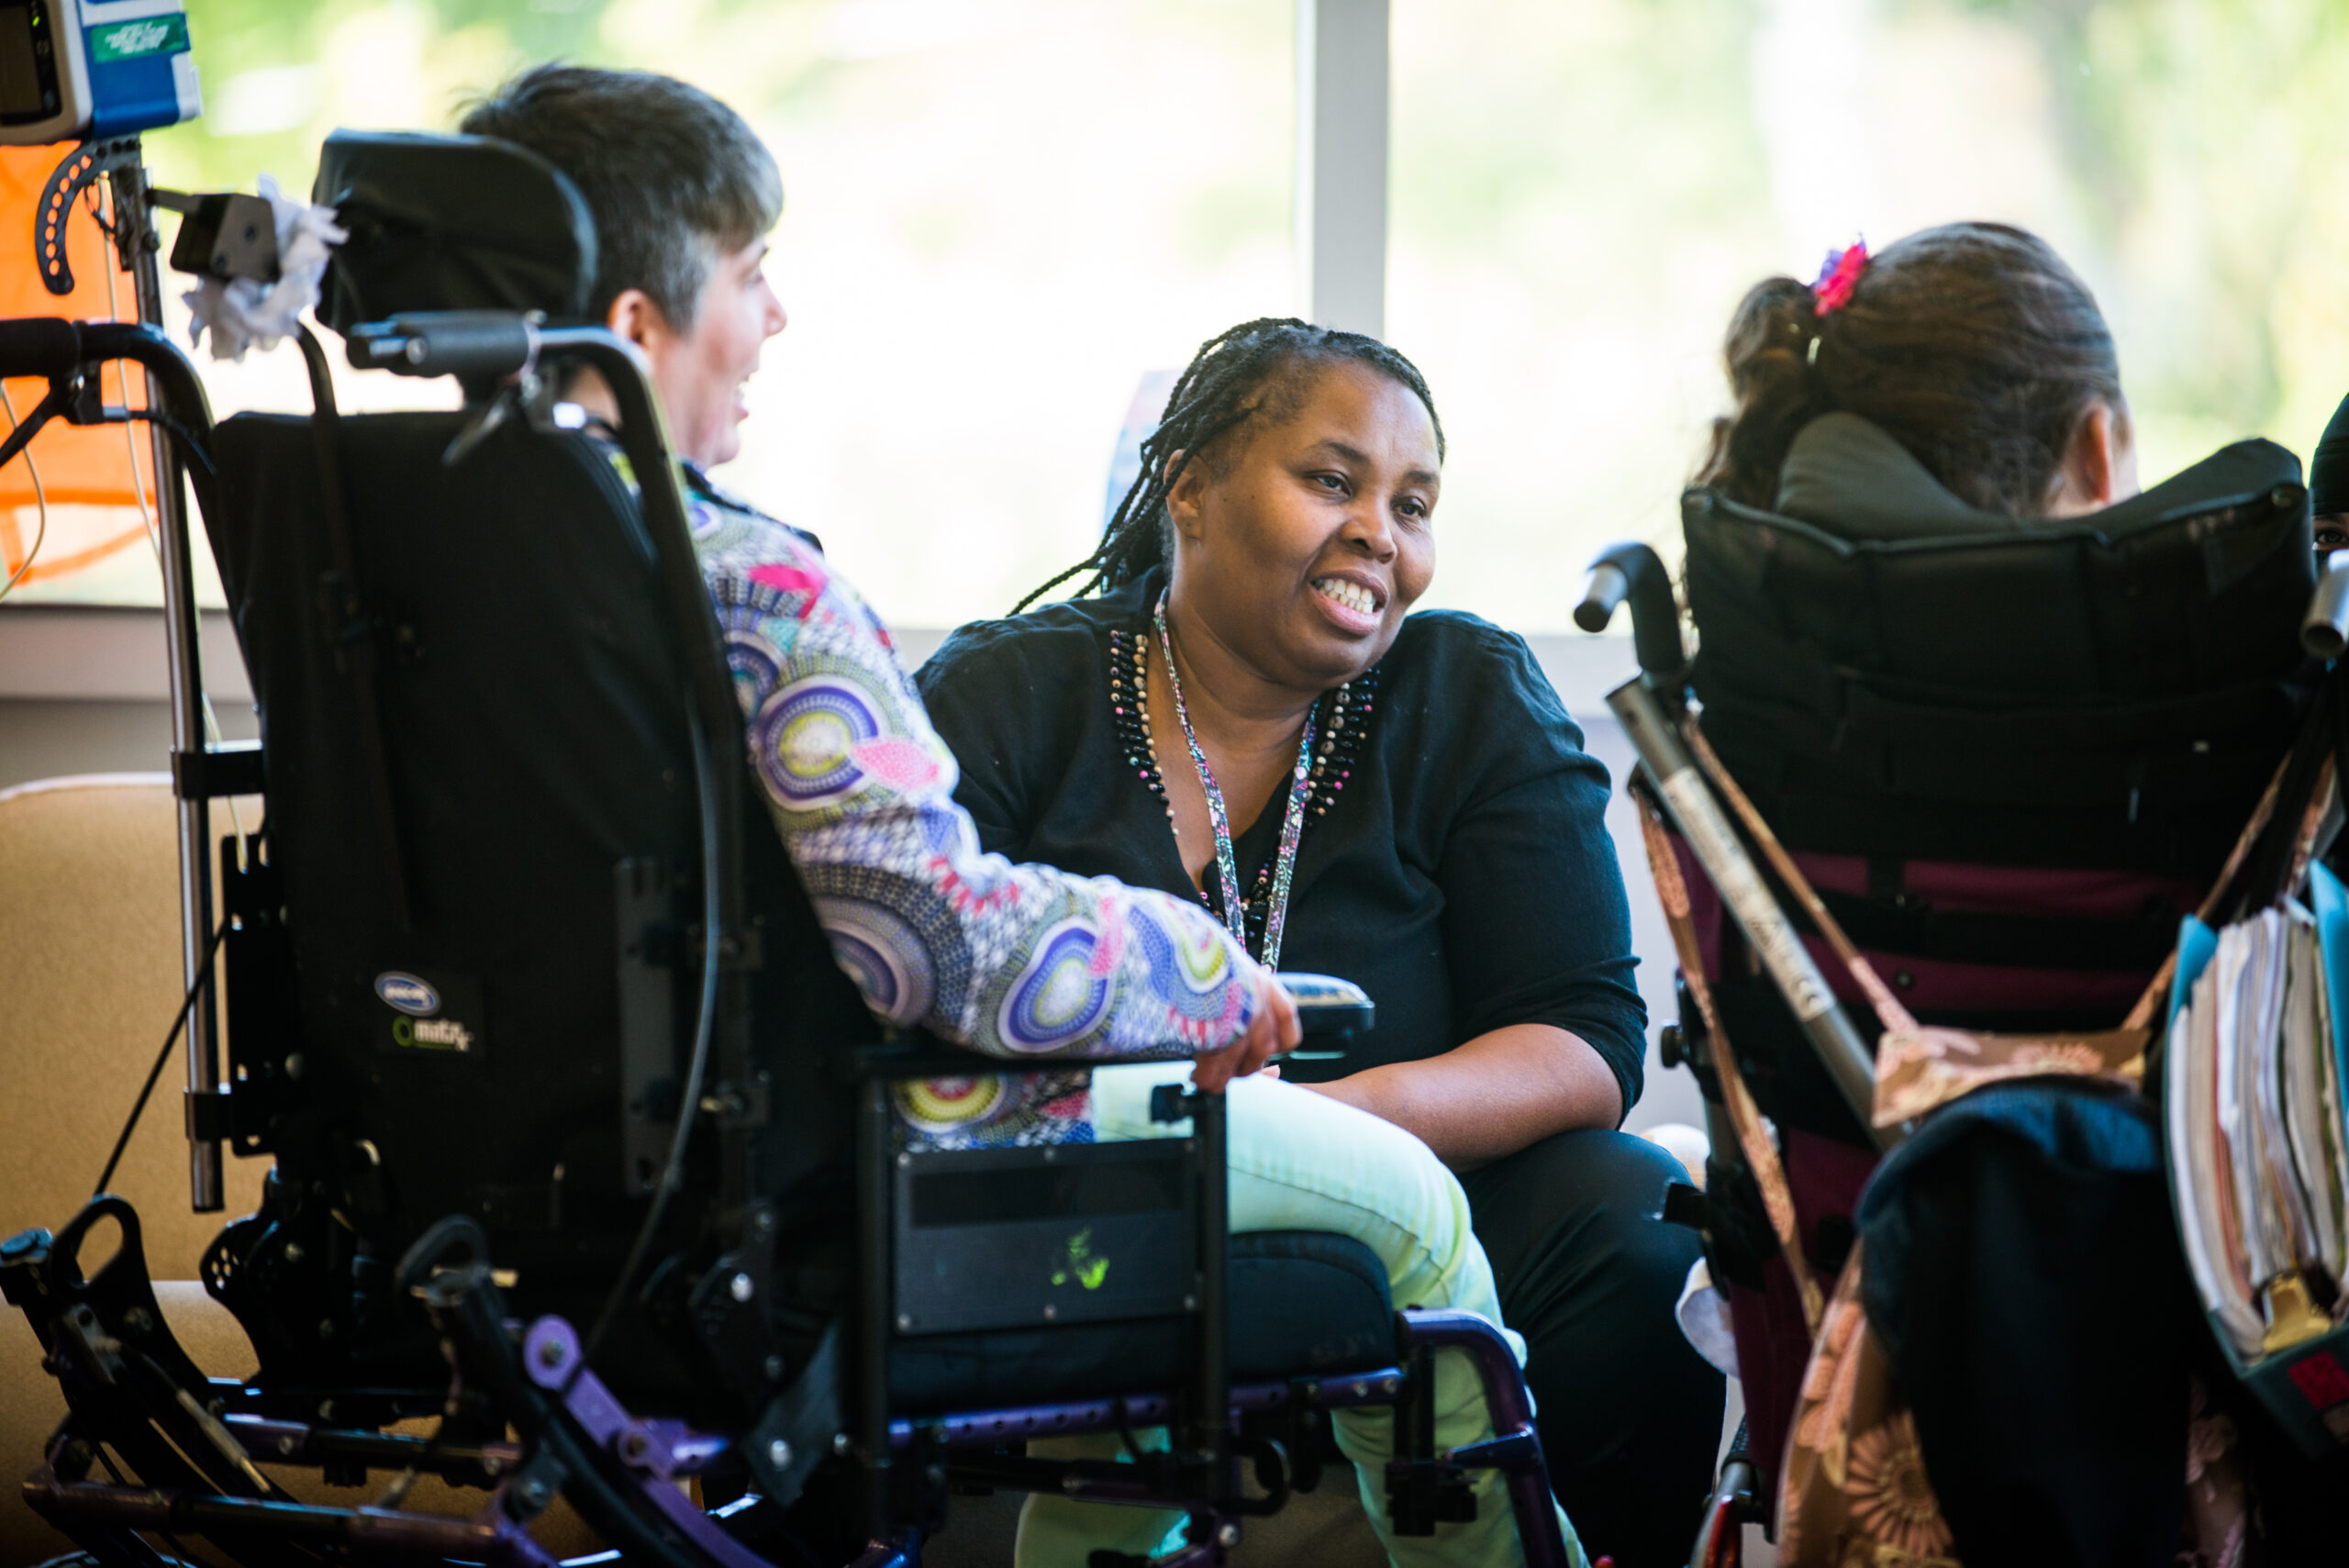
x: 410, y: 995
x: 441, y: 1016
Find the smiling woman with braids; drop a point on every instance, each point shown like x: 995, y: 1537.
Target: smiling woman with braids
x: 1243, y: 713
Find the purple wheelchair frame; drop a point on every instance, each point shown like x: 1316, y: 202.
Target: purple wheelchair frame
x: 129, y: 1384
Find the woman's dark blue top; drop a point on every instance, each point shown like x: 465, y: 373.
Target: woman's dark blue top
x: 1463, y: 877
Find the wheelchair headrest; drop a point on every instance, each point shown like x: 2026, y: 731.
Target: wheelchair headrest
x: 2198, y: 583
x: 450, y: 223
x: 1851, y: 477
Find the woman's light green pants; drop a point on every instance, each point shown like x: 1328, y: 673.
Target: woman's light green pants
x: 1300, y: 1160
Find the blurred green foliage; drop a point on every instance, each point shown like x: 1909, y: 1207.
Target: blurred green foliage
x: 305, y: 68
x: 1580, y: 192
x: 2202, y: 140
x: 233, y: 38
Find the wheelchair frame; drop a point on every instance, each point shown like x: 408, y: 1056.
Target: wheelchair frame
x: 1653, y: 707
x: 194, y: 1445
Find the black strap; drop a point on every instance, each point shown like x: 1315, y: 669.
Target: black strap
x: 2266, y: 870
x: 355, y: 636
x: 2049, y: 762
x: 2172, y: 809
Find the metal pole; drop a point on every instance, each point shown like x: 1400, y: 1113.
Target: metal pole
x: 870, y: 1424
x: 1209, y: 1127
x: 138, y: 243
x: 1849, y: 1061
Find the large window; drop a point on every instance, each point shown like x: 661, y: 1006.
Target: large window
x: 999, y: 215
x: 1582, y: 192
x: 1003, y: 213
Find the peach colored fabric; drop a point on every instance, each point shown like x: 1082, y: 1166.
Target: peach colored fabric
x: 89, y: 981
x: 89, y: 984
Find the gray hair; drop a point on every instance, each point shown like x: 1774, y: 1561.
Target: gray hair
x: 673, y: 178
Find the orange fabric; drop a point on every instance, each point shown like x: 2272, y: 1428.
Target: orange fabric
x: 86, y: 466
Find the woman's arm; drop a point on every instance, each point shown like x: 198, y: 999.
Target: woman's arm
x: 1535, y: 930
x: 1491, y: 1095
x: 1012, y: 961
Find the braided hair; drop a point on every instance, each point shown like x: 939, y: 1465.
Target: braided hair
x: 1253, y: 371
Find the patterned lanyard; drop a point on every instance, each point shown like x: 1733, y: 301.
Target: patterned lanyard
x: 1227, y: 864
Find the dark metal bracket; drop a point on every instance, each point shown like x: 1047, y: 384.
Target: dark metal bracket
x: 209, y: 773
x: 66, y: 182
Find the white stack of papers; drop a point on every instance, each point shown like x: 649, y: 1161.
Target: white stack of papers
x: 2253, y: 1107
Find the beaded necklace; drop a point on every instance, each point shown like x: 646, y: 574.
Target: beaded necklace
x: 1345, y: 720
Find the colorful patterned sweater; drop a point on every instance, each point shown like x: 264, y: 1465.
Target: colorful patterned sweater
x: 1011, y: 961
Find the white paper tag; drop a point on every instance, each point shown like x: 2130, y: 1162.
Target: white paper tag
x: 244, y: 313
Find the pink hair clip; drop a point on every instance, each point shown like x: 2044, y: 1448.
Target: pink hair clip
x: 1838, y: 278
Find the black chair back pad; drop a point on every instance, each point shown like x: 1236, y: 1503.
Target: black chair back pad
x: 533, y: 719
x: 2114, y: 697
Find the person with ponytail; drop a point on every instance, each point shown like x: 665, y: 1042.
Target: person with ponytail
x: 1238, y: 709
x: 1962, y: 378
x: 2012, y: 839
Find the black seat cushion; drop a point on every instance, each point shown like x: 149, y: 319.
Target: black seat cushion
x: 1303, y: 1302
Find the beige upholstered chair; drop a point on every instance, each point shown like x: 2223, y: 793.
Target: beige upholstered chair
x: 89, y: 984
x: 90, y: 971
x: 90, y: 966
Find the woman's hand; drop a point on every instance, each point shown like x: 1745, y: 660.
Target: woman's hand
x: 1274, y: 1029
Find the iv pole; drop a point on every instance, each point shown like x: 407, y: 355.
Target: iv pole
x: 137, y: 246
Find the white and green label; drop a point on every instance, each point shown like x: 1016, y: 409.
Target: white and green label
x: 134, y: 41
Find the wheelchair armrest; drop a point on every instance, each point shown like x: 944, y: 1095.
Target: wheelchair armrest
x: 922, y: 1056
x: 1330, y: 1009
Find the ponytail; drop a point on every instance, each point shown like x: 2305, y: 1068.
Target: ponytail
x: 1776, y: 391
x: 1973, y: 345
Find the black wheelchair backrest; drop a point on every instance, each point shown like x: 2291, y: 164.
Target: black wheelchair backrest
x: 2112, y: 690
x: 483, y: 829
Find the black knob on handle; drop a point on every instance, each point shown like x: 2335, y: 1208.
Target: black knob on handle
x: 40, y: 345
x: 1634, y: 573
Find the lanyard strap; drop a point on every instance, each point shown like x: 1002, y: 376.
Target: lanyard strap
x: 1227, y: 864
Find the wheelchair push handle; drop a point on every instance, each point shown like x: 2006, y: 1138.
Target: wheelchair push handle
x: 55, y: 349
x: 471, y: 344
x: 47, y: 346
x: 1634, y: 573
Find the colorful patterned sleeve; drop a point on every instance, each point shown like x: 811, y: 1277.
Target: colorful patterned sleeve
x: 1012, y: 961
